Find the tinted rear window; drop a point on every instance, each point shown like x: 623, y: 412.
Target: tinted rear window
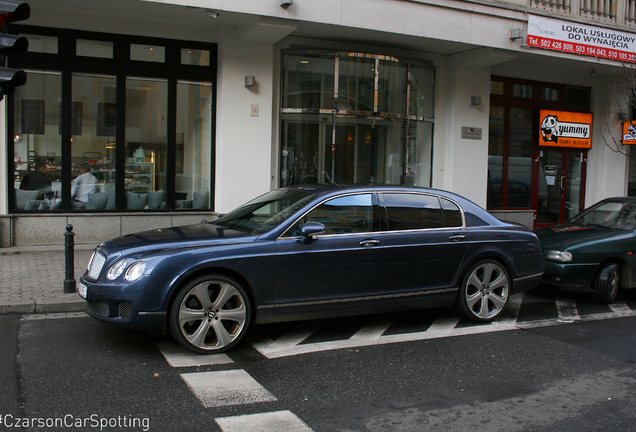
x: 452, y: 214
x: 413, y: 211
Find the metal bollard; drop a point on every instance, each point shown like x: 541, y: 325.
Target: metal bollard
x: 69, y: 258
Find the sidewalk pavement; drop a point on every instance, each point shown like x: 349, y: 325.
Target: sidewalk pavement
x: 32, y: 279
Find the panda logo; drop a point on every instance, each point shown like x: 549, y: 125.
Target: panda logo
x: 549, y: 129
x: 631, y: 133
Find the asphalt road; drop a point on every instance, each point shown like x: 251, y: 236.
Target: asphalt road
x: 575, y: 376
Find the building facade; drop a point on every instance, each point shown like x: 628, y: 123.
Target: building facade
x: 146, y: 114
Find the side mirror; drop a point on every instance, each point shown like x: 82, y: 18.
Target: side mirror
x: 310, y: 229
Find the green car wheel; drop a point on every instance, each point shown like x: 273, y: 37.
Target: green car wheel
x: 607, y: 283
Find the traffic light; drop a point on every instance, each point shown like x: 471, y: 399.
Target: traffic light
x: 11, y: 11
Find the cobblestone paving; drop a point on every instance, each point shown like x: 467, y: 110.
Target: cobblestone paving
x: 29, y: 278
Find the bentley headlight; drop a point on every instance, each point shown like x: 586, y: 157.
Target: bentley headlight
x: 558, y: 256
x: 135, y: 271
x: 116, y: 269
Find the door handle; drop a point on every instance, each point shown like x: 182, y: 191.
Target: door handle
x: 457, y: 237
x: 369, y: 243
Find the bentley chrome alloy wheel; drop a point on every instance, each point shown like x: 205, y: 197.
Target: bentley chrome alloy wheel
x: 211, y: 314
x: 484, y: 291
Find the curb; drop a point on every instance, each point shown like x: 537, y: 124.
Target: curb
x: 71, y: 304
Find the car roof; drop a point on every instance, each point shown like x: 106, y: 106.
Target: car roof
x: 327, y: 188
x: 624, y: 198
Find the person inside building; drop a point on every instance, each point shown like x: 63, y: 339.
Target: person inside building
x: 84, y: 184
x: 38, y: 180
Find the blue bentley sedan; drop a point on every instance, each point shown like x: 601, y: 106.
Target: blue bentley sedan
x: 308, y: 252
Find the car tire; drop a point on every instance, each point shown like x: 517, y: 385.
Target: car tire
x: 606, y: 284
x: 210, y: 314
x: 484, y: 291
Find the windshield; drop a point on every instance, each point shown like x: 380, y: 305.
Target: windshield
x: 613, y: 215
x: 265, y: 212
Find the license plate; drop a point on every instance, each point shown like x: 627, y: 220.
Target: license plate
x: 82, y: 290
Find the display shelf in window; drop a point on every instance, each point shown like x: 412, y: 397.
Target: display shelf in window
x: 140, y: 177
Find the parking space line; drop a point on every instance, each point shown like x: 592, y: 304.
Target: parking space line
x: 226, y: 388
x: 512, y: 308
x: 446, y: 325
x: 443, y: 326
x: 619, y: 306
x: 280, y: 421
x: 215, y: 389
x: 178, y: 356
x: 374, y: 329
x: 567, y: 309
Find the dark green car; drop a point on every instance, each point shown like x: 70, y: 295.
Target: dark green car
x: 594, y: 251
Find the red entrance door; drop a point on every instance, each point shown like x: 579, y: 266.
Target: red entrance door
x: 559, y: 184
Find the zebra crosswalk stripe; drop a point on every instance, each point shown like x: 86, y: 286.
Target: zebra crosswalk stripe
x: 279, y: 421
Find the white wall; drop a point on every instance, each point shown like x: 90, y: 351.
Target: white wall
x: 607, y: 170
x: 243, y: 141
x: 461, y: 165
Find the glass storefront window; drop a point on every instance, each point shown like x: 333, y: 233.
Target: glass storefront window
x: 194, y: 128
x: 377, y: 137
x: 578, y: 96
x: 523, y: 175
x: 420, y: 154
x: 308, y: 82
x: 510, y: 173
x: 146, y: 143
x: 37, y: 147
x: 522, y: 91
x: 495, y: 157
x: 520, y: 158
x: 102, y: 136
x: 196, y: 57
x: 94, y: 48
x: 148, y: 53
x: 356, y: 82
x: 550, y: 94
x: 391, y: 85
x: 422, y: 97
x: 497, y: 88
x: 93, y: 142
x: 301, y: 138
x: 42, y: 44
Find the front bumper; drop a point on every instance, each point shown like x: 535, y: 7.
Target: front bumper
x: 569, y: 276
x: 138, y: 305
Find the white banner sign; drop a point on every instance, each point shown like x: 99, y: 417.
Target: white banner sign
x: 581, y: 39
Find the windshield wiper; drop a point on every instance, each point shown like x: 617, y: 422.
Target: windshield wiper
x: 577, y: 221
x: 597, y: 225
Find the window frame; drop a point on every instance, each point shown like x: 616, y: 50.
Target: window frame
x: 380, y: 216
x: 374, y: 214
x: 67, y: 62
x: 440, y: 199
x: 507, y: 101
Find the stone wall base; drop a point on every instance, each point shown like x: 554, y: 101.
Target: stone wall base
x: 49, y: 229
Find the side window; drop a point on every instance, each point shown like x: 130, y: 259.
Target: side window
x: 344, y: 215
x: 413, y: 211
x: 452, y: 214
